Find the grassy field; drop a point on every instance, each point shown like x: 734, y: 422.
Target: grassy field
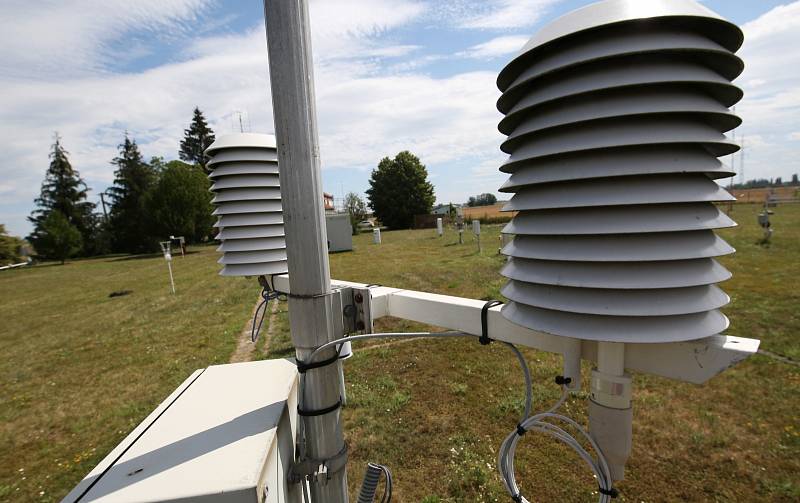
x: 81, y: 369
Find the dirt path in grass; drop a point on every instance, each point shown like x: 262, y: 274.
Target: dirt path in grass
x: 245, y: 348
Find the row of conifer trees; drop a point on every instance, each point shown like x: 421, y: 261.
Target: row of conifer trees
x: 148, y: 201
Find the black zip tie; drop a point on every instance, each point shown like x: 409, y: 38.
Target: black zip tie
x: 484, y: 338
x: 520, y: 430
x: 319, y: 412
x: 609, y: 492
x: 303, y: 296
x: 304, y: 367
x: 373, y: 285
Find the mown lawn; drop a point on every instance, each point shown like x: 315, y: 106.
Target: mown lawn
x: 81, y: 369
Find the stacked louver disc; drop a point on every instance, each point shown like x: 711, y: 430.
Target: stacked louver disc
x: 247, y: 200
x: 615, y: 116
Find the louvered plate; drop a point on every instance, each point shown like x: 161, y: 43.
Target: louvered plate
x: 637, y: 329
x: 252, y: 206
x: 620, y: 248
x: 230, y: 195
x: 235, y: 141
x: 253, y: 257
x: 644, y: 302
x: 632, y: 132
x: 621, y: 106
x: 244, y: 155
x: 596, y: 22
x: 620, y: 219
x: 614, y: 117
x: 620, y: 275
x: 264, y: 269
x: 629, y: 41
x: 620, y: 75
x: 254, y: 231
x: 654, y: 189
x: 651, y: 160
x: 245, y: 181
x: 248, y: 219
x: 240, y: 245
x: 244, y: 168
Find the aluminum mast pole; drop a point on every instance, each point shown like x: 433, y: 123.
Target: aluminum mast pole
x: 310, y: 304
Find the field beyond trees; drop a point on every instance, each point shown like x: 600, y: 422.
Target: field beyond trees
x: 80, y: 369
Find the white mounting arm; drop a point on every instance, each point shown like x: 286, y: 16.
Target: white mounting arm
x: 693, y: 361
x: 610, y: 411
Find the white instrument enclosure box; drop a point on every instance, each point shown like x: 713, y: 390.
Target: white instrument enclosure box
x: 227, y: 435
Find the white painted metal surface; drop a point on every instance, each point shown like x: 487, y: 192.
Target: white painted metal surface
x: 339, y: 231
x: 694, y: 361
x: 247, y: 197
x: 217, y: 438
x: 312, y: 316
x: 439, y: 227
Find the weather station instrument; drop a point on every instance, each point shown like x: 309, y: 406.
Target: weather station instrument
x: 614, y: 118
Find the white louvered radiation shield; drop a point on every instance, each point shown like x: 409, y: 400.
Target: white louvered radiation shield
x: 615, y: 116
x: 247, y: 202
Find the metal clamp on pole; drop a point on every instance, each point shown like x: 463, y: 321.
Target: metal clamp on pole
x: 318, y: 469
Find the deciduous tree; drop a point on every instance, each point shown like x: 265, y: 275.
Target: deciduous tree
x: 399, y: 189
x: 10, y: 247
x: 60, y: 239
x: 180, y: 203
x: 356, y: 208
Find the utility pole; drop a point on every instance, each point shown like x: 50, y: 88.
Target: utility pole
x: 311, y: 312
x: 103, y: 203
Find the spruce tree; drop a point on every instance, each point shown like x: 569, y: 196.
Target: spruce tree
x: 129, y: 218
x: 63, y: 191
x: 196, y: 140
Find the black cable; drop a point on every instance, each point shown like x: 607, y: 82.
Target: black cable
x: 266, y: 296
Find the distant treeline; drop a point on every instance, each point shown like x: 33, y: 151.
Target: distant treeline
x: 148, y: 201
x: 761, y: 183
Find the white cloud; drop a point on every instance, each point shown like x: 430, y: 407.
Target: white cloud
x: 365, y: 112
x: 771, y: 84
x: 59, y: 39
x: 496, y: 14
x: 373, y: 98
x: 499, y: 46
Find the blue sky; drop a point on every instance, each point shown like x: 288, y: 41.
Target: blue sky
x: 390, y: 75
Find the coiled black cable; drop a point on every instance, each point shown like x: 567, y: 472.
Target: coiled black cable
x: 369, y: 487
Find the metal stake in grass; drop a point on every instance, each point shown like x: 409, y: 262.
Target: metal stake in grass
x: 476, y: 229
x: 165, y: 247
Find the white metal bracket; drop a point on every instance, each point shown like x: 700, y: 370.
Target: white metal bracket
x: 692, y: 361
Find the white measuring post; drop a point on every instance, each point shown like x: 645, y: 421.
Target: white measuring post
x: 311, y: 312
x: 165, y: 247
x: 439, y: 227
x: 376, y: 235
x: 476, y: 229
